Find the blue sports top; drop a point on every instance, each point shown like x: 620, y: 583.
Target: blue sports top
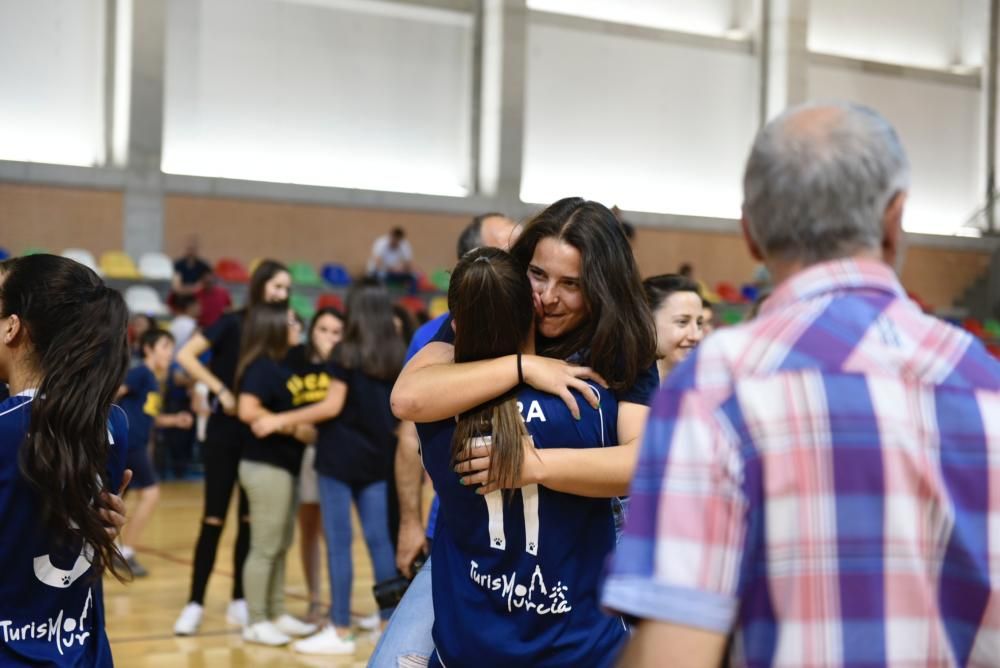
x: 515, y: 579
x: 51, y: 608
x: 141, y: 402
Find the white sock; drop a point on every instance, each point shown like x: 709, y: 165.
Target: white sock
x: 127, y: 552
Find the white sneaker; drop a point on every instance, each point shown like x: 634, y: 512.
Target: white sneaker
x: 189, y: 620
x: 293, y: 627
x: 237, y: 613
x: 265, y: 633
x: 325, y: 642
x: 370, y: 623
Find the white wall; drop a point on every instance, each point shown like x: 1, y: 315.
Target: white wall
x: 925, y: 33
x: 342, y: 93
x: 647, y: 125
x: 52, y: 81
x: 707, y: 17
x: 939, y: 125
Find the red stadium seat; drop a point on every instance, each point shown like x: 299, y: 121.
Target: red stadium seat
x: 328, y: 300
x: 231, y: 270
x: 412, y: 304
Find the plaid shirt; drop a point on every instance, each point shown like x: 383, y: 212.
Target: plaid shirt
x: 824, y: 481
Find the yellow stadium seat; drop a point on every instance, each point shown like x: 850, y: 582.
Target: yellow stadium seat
x: 118, y: 264
x: 438, y: 306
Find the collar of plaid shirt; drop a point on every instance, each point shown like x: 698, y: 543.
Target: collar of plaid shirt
x: 831, y: 277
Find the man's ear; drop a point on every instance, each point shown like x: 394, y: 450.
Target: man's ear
x: 892, y: 230
x: 751, y: 244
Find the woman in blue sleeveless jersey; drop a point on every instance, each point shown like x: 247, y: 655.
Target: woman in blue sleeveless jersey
x: 64, y: 354
x: 516, y: 572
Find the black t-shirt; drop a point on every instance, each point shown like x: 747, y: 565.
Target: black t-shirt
x: 269, y: 381
x: 191, y: 270
x: 358, y: 445
x: 640, y: 392
x: 310, y: 380
x: 224, y: 337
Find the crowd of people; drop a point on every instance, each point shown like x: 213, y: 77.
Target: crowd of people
x: 615, y: 483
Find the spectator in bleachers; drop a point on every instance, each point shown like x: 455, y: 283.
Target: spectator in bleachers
x: 213, y: 300
x: 392, y: 259
x: 185, y: 321
x: 189, y: 270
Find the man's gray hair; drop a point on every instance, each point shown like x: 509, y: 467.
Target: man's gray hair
x: 819, y: 179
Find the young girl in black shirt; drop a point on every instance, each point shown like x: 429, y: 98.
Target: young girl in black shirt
x: 268, y: 471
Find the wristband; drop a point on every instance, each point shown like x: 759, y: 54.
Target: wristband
x: 520, y: 371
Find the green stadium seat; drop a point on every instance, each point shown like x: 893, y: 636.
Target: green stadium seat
x: 304, y: 274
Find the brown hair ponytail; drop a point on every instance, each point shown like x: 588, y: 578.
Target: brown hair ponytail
x: 490, y: 300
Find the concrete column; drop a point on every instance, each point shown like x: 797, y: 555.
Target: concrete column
x: 784, y: 55
x: 990, y: 74
x: 501, y: 108
x: 137, y: 36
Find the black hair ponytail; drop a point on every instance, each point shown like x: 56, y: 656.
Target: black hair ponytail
x: 76, y: 341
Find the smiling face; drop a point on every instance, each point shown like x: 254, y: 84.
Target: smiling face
x: 277, y: 289
x: 678, y: 327
x: 555, y: 279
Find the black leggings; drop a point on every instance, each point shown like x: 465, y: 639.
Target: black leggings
x: 223, y: 446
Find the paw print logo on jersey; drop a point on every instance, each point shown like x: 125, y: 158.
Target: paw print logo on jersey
x: 60, y: 578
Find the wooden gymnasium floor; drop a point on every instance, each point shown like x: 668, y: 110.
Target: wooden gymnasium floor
x: 141, y: 614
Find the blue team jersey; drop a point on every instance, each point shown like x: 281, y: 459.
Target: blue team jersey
x: 142, y: 403
x: 51, y: 608
x: 515, y: 579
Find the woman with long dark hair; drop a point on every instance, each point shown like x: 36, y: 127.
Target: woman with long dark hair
x: 357, y: 439
x: 547, y: 547
x: 270, y: 283
x: 677, y: 308
x: 308, y: 363
x: 591, y: 323
x: 64, y: 354
x: 269, y: 469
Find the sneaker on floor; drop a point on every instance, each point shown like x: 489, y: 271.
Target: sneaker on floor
x: 138, y: 570
x: 237, y: 613
x: 293, y: 627
x: 265, y: 633
x: 325, y: 642
x: 371, y: 622
x: 189, y: 620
